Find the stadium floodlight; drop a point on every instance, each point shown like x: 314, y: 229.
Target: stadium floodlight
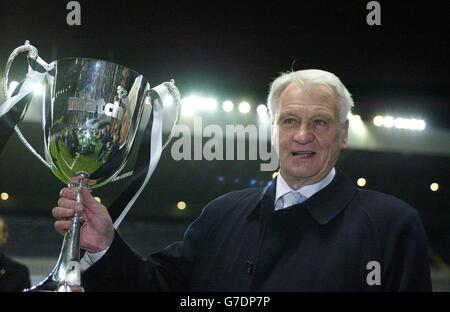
x: 388, y: 121
x: 227, y: 106
x: 4, y: 196
x: 434, y: 187
x: 361, y: 182
x: 181, y: 205
x: 262, y: 110
x: 378, y: 121
x: 244, y: 107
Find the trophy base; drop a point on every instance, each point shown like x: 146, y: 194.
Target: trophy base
x: 48, y: 285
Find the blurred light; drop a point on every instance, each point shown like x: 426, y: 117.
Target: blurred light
x: 181, y: 205
x: 187, y: 105
x: 98, y: 199
x: 400, y: 123
x: 244, y: 107
x: 12, y: 86
x: 253, y: 182
x: 227, y: 106
x: 378, y: 121
x: 220, y: 179
x: 168, y: 100
x: 418, y: 124
x: 38, y: 88
x: 388, y: 121
x: 422, y: 125
x: 274, y: 175
x: 192, y: 103
x: 236, y: 180
x: 434, y: 187
x: 263, y: 114
x: 211, y: 104
x: 262, y: 110
x: 361, y: 182
x: 357, y: 125
x: 355, y: 118
x: 4, y: 196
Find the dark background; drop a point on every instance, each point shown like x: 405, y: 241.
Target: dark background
x: 234, y: 49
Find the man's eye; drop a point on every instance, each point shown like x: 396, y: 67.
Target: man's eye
x: 320, y: 123
x: 289, y: 121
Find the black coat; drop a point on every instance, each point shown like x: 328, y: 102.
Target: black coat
x: 13, y: 275
x: 239, y: 243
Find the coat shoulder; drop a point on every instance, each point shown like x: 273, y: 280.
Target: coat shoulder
x: 385, y: 209
x: 234, y: 201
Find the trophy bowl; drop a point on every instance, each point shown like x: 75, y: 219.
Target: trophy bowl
x: 92, y: 118
x: 91, y: 112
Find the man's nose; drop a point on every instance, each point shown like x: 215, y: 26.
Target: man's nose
x: 304, y: 134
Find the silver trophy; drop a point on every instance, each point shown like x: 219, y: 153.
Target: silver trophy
x: 91, y: 112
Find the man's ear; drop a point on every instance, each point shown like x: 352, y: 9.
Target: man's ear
x: 344, y: 134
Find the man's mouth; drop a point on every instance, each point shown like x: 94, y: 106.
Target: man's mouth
x: 303, y: 154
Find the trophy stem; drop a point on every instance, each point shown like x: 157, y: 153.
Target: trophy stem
x: 66, y: 275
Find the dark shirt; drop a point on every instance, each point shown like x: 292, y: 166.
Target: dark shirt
x: 239, y: 243
x: 13, y: 275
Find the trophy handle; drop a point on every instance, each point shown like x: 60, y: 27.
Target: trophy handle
x: 173, y: 90
x: 156, y: 145
x: 33, y: 54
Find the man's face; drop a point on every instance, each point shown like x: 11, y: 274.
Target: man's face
x: 310, y: 136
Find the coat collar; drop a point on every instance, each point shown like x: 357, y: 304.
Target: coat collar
x: 324, y: 205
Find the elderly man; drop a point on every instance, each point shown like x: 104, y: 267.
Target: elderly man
x: 311, y: 230
x: 14, y: 276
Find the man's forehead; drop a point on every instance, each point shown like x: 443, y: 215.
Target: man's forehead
x: 310, y: 110
x: 319, y: 92
x: 316, y: 98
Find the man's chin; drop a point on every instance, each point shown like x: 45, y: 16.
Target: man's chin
x: 303, y: 174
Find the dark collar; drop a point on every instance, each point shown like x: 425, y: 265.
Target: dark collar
x: 322, y: 206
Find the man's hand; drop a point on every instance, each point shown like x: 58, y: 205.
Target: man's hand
x: 97, y: 232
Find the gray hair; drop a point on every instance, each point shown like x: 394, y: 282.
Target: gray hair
x: 311, y: 77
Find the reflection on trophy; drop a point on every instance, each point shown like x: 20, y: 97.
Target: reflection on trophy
x: 91, y: 112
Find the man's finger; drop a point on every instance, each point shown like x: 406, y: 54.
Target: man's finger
x: 70, y: 204
x: 62, y: 213
x: 68, y: 193
x: 62, y: 227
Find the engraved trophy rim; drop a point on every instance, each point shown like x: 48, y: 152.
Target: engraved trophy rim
x: 99, y: 60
